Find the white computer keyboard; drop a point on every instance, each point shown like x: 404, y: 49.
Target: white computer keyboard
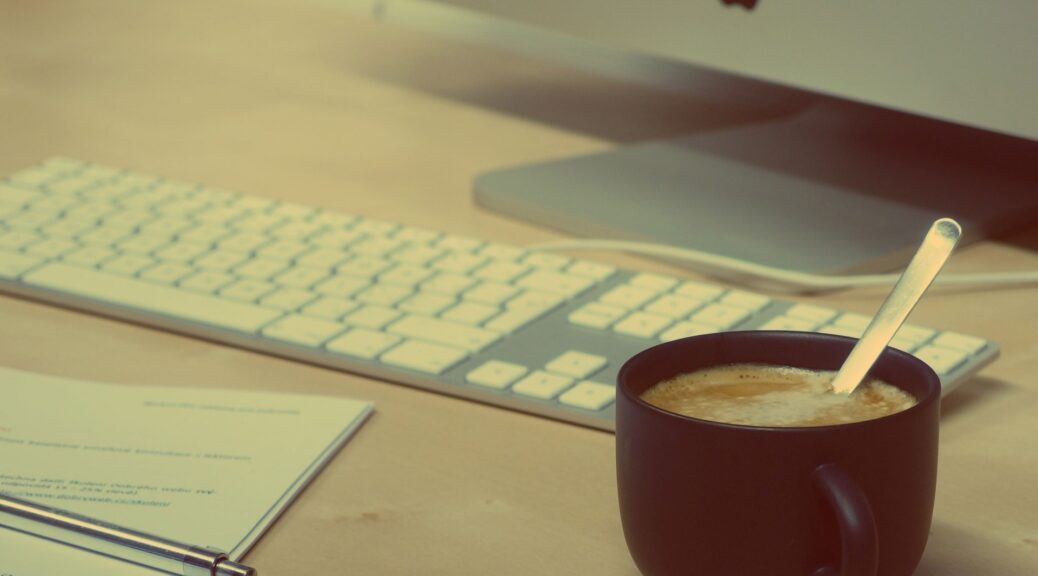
x: 537, y: 332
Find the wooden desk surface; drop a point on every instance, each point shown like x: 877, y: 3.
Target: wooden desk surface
x: 319, y: 105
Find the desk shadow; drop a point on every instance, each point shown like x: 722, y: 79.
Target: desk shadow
x: 1025, y: 238
x: 975, y: 391
x: 952, y: 551
x: 567, y: 97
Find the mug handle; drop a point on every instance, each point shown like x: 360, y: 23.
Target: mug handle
x: 859, y: 542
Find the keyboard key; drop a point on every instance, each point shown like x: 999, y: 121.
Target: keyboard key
x: 323, y: 258
x: 655, y: 282
x: 627, y: 296
x: 17, y: 196
x: 426, y: 304
x: 540, y: 384
x: 415, y: 235
x: 383, y: 294
x: 470, y: 313
x: 282, y: 249
x: 362, y: 343
x: 961, y: 342
x: 56, y: 204
x: 333, y: 220
x: 105, y: 236
x: 303, y: 330
x: 455, y: 243
x: 292, y: 211
x: 503, y: 271
x: 746, y: 300
x: 903, y: 344
x: 447, y: 284
x: 546, y: 261
x: 300, y: 277
x: 207, y: 281
x: 247, y: 290
x: 596, y: 315
x: 51, y: 248
x: 255, y: 223
x: 565, y: 285
x: 496, y: 374
x: 687, y: 329
x: 720, y: 315
x: 373, y: 227
x: 366, y: 267
x: 459, y: 263
x: 405, y: 275
x: 918, y: 333
x: 89, y: 256
x: 854, y: 321
x: 589, y: 395
x: 375, y: 246
x: 167, y: 226
x: 490, y: 293
x: 576, y: 364
x: 181, y: 252
x: 515, y: 318
x: 535, y: 299
x: 642, y: 325
x: 592, y: 270
x: 287, y: 298
x: 444, y: 332
x: 65, y: 228
x: 699, y: 290
x: 12, y: 265
x: 220, y: 260
x: 329, y: 307
x: 167, y: 272
x: 130, y: 219
x: 205, y: 235
x: 416, y: 255
x: 259, y: 268
x: 220, y: 214
x: 16, y: 239
x: 673, y: 306
x: 244, y: 242
x: 423, y: 356
x: 502, y: 252
x: 142, y: 245
x: 341, y: 286
x: 127, y: 264
x: 942, y: 360
x: 373, y: 317
x: 336, y: 239
x: 150, y: 297
x: 816, y: 313
x: 8, y: 211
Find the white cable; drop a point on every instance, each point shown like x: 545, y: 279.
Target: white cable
x: 788, y: 278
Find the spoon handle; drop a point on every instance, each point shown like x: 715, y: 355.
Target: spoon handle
x: 937, y: 246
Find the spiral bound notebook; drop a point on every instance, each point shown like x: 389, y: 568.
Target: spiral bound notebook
x: 206, y: 467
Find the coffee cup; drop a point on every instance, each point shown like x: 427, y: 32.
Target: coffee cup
x: 699, y: 497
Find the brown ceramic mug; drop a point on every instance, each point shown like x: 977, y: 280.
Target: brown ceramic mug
x: 706, y: 498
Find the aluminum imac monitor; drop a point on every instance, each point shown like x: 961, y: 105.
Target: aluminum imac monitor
x: 909, y: 111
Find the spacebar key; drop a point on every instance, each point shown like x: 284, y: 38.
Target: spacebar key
x: 156, y: 298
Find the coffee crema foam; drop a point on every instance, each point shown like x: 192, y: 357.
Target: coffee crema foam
x: 779, y: 396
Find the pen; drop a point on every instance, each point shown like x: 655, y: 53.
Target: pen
x: 116, y: 541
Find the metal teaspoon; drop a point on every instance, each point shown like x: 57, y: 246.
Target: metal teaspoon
x: 928, y: 260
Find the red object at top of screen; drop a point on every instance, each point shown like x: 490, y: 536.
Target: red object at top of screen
x: 747, y: 4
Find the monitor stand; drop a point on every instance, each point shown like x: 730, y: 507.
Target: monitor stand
x: 837, y: 188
